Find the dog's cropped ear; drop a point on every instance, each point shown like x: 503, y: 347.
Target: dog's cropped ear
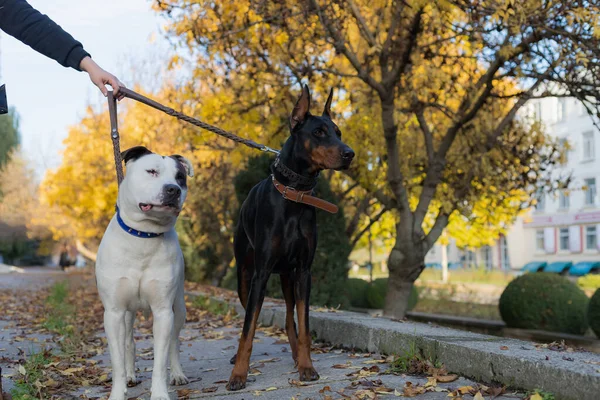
x: 134, y: 153
x: 300, y: 109
x: 189, y: 169
x: 327, y: 109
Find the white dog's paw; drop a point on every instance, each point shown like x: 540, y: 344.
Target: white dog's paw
x: 178, y: 379
x: 132, y: 381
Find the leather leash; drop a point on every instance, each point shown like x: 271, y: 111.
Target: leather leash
x: 304, y: 197
x: 114, y: 130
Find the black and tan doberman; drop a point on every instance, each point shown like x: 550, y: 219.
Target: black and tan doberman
x: 277, y: 232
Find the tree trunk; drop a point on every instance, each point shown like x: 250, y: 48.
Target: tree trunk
x: 87, y: 253
x: 396, y: 301
x: 405, y: 264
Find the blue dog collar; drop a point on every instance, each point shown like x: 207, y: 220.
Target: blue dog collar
x: 135, y: 232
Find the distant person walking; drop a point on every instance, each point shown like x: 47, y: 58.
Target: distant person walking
x: 20, y: 20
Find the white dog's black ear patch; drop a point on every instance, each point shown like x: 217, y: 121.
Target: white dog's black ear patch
x: 134, y: 153
x: 189, y: 169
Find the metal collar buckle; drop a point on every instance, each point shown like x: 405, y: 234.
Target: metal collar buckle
x: 299, y: 194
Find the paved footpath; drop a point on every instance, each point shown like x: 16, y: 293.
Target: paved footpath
x: 273, y: 375
x: 207, y: 345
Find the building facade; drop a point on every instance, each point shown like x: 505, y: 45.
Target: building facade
x: 566, y: 226
x: 562, y: 227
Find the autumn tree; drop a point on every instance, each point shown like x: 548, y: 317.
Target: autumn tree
x: 9, y: 136
x: 431, y: 94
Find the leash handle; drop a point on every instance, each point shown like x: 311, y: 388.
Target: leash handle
x: 114, y: 135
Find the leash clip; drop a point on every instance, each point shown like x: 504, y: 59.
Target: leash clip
x: 267, y: 149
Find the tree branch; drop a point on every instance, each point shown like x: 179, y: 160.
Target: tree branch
x: 365, y: 229
x: 362, y: 25
x: 427, y: 135
x: 413, y: 34
x: 340, y: 45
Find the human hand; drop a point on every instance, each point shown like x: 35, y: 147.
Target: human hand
x: 100, y: 77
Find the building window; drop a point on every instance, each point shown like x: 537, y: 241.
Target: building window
x: 589, y: 152
x: 538, y: 110
x: 564, y: 144
x: 561, y: 110
x: 541, y: 201
x: 563, y: 200
x: 539, y: 240
x: 590, y: 191
x: 504, y: 259
x: 590, y: 238
x: 563, y: 237
x: 487, y: 257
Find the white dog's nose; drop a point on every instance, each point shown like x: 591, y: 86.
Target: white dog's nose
x: 172, y: 190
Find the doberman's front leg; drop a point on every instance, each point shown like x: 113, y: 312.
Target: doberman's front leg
x: 256, y: 296
x: 302, y: 286
x: 287, y: 287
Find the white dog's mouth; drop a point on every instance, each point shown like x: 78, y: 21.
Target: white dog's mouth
x: 167, y: 207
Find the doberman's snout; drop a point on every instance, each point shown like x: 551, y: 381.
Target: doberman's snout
x: 347, y: 154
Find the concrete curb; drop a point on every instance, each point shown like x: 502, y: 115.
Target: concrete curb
x: 517, y: 363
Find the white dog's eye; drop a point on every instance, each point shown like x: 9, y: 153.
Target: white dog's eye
x: 152, y: 172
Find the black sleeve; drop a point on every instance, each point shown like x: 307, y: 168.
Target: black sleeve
x: 19, y: 19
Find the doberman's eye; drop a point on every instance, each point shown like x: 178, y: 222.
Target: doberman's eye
x: 319, y: 133
x: 152, y: 172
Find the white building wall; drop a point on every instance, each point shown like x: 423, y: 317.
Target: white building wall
x: 565, y: 119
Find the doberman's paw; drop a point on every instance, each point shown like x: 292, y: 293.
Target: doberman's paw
x: 232, y: 359
x: 308, y: 374
x: 236, y: 383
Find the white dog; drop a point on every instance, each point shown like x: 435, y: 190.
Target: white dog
x: 140, y: 266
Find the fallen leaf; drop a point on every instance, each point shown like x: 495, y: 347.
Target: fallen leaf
x: 411, y: 391
x: 294, y: 382
x: 503, y: 347
x: 325, y: 389
x: 210, y: 389
x: 478, y: 396
x: 446, y: 378
x: 536, y: 396
x: 374, y: 362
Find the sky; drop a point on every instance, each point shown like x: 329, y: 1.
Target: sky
x: 48, y: 97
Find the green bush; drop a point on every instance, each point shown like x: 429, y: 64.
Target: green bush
x: 544, y: 301
x: 330, y: 265
x: 378, y: 290
x: 593, y: 313
x: 356, y: 291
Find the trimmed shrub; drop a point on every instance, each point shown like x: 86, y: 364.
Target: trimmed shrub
x: 356, y: 291
x: 544, y: 301
x: 593, y: 313
x: 378, y: 290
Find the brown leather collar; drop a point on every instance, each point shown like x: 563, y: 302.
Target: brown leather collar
x: 304, y: 197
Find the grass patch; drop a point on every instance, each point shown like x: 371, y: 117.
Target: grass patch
x: 459, y: 309
x: 412, y: 361
x: 469, y: 275
x: 30, y: 373
x: 59, y: 318
x: 211, y: 305
x: 543, y: 395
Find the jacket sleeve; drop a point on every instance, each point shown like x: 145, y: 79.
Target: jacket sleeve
x: 20, y: 20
